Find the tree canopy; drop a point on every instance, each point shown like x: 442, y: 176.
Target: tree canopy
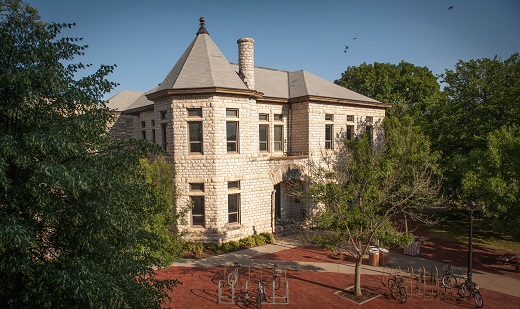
x: 362, y: 188
x: 406, y: 86
x: 80, y: 222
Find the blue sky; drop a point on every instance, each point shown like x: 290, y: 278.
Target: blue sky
x: 145, y: 38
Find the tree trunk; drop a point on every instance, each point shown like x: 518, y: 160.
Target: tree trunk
x: 357, y: 277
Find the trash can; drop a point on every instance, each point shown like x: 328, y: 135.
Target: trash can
x: 413, y: 248
x: 383, y: 257
x: 373, y: 257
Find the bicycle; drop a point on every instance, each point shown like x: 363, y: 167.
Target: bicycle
x: 233, y: 275
x: 397, y: 289
x: 261, y: 294
x: 471, y: 289
x: 448, y: 279
x: 277, y: 273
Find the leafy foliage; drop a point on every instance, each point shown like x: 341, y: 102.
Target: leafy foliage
x: 362, y: 188
x: 406, y: 86
x: 494, y: 181
x: 80, y: 224
x: 483, y: 97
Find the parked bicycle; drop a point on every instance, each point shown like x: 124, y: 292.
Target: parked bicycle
x: 261, y: 296
x: 277, y: 273
x: 471, y: 290
x: 233, y: 275
x: 398, y: 289
x: 448, y: 279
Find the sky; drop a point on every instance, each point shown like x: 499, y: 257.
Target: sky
x: 145, y: 38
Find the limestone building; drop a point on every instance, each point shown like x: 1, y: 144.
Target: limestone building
x: 236, y: 133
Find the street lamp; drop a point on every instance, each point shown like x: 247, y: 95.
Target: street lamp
x: 471, y: 207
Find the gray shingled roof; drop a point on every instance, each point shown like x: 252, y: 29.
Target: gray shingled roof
x: 303, y: 83
x: 122, y: 100
x: 202, y: 66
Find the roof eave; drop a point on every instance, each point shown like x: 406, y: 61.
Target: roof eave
x: 207, y: 90
x: 307, y: 98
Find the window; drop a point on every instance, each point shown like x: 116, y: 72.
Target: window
x: 328, y: 136
x: 231, y: 112
x: 329, y: 117
x: 350, y: 132
x: 278, y: 138
x: 369, y: 119
x: 195, y: 136
x: 350, y: 118
x: 370, y: 132
x: 164, y: 142
x: 197, y: 212
x: 234, y: 208
x: 231, y: 136
x: 263, y: 137
x: 153, y: 123
x: 196, y: 187
x: 143, y: 124
x: 263, y: 117
x: 153, y: 136
x: 195, y: 112
x: 234, y: 202
x: 163, y: 115
x: 143, y: 134
x: 197, y: 201
x: 234, y: 185
x: 278, y: 117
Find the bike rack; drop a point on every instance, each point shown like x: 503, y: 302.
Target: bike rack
x: 232, y: 299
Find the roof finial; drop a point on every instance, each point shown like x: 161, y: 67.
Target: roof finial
x: 202, y: 29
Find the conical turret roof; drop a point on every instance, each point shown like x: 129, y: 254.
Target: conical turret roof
x: 202, y: 66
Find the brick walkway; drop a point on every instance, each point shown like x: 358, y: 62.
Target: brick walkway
x: 310, y: 289
x: 315, y: 289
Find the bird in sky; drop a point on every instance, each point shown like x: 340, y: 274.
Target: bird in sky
x: 354, y: 38
x: 346, y: 48
x: 450, y: 8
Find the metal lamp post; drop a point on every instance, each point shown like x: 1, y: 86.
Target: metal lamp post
x: 471, y: 207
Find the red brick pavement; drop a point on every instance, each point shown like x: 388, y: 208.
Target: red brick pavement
x: 309, y: 289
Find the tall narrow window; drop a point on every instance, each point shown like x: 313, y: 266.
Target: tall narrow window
x: 197, y: 212
x: 263, y: 137
x: 231, y: 136
x: 370, y: 132
x: 350, y: 132
x: 197, y: 201
x: 164, y: 142
x: 278, y: 138
x: 143, y: 134
x: 163, y: 115
x: 195, y: 136
x: 153, y: 136
x: 234, y: 208
x: 328, y: 136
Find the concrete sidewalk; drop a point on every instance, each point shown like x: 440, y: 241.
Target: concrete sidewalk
x: 493, y: 282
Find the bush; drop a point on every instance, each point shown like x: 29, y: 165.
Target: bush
x: 231, y: 246
x: 195, y: 248
x: 248, y: 241
x: 269, y: 239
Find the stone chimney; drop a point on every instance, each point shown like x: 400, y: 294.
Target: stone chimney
x: 246, y: 61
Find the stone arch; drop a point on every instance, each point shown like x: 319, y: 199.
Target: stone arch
x: 284, y: 172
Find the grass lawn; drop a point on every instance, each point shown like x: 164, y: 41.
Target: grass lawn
x: 455, y: 227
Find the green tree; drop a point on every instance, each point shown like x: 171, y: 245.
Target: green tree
x: 361, y: 189
x: 78, y: 218
x: 408, y: 87
x: 494, y: 179
x: 483, y: 96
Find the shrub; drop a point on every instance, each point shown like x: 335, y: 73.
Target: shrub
x: 248, y: 241
x: 268, y: 237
